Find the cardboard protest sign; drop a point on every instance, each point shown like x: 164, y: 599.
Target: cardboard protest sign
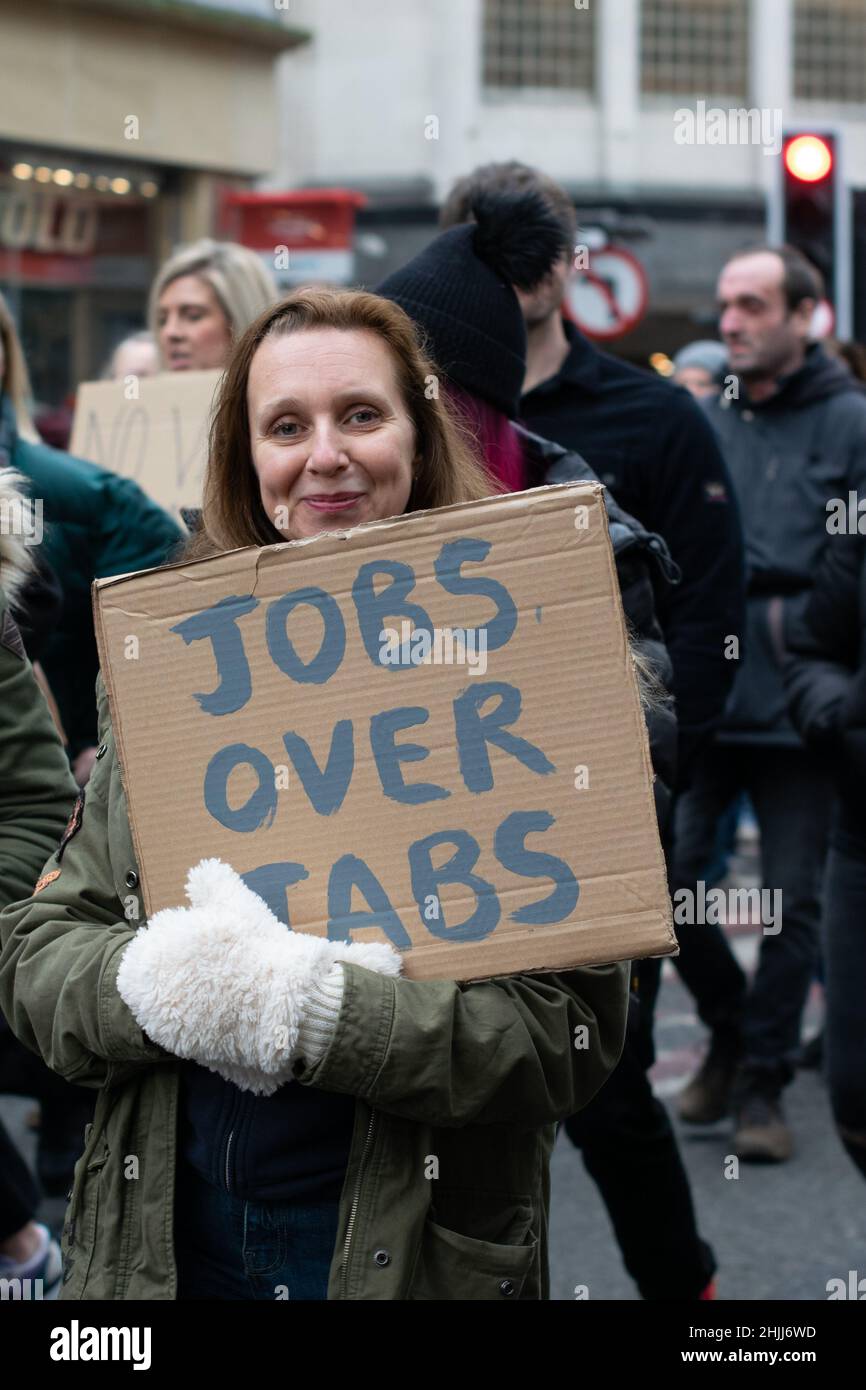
x: 150, y: 429
x: 425, y: 730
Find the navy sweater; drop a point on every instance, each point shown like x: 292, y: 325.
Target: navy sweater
x: 291, y: 1146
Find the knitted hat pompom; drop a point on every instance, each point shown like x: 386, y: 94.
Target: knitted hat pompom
x: 459, y: 290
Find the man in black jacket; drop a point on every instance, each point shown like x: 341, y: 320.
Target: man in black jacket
x: 625, y: 1135
x: 650, y: 443
x: 794, y: 438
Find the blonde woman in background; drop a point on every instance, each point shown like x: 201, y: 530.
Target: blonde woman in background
x: 202, y: 299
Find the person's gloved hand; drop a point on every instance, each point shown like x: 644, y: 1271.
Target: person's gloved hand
x: 225, y: 984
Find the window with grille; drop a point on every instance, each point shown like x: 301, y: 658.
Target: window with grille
x: 695, y: 48
x: 538, y: 43
x: 830, y: 50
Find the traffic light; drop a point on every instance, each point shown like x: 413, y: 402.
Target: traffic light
x: 813, y: 213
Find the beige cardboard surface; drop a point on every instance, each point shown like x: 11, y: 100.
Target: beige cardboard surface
x: 252, y: 697
x: 150, y: 429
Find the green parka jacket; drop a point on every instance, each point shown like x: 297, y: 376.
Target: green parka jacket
x: 458, y: 1090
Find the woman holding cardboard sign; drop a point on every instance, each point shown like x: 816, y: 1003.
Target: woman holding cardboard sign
x: 410, y: 1160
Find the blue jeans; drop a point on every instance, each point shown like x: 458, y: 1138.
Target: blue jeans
x: 229, y: 1248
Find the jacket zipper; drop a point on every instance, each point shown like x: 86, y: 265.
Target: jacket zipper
x: 228, y: 1151
x: 235, y: 1124
x: 355, y: 1199
x: 239, y: 1120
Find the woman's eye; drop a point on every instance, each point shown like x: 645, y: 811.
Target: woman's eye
x: 364, y: 410
x: 285, y: 428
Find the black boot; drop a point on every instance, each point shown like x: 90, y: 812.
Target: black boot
x: 707, y: 1097
x: 762, y: 1135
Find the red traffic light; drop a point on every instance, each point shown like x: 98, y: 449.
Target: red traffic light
x: 808, y: 158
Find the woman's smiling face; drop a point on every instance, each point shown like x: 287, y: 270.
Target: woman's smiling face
x: 331, y: 439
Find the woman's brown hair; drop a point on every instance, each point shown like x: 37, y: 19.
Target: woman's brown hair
x: 449, y: 470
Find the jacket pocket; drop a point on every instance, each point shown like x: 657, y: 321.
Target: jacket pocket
x: 79, y: 1230
x: 455, y: 1266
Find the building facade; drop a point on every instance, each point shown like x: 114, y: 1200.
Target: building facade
x: 398, y: 100
x: 124, y: 122
x: 120, y: 123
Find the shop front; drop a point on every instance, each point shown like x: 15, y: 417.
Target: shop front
x: 119, y: 122
x: 79, y: 243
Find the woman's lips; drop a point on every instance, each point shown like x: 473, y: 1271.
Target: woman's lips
x: 339, y: 502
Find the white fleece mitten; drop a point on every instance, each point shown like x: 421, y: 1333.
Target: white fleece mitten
x: 224, y: 983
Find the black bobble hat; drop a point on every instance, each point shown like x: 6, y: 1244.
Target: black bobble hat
x: 459, y: 291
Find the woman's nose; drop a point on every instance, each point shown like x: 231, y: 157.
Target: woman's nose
x: 326, y: 451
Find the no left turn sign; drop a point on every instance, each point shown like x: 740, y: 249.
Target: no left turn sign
x: 610, y: 296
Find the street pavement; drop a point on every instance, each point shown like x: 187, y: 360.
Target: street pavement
x: 779, y: 1231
